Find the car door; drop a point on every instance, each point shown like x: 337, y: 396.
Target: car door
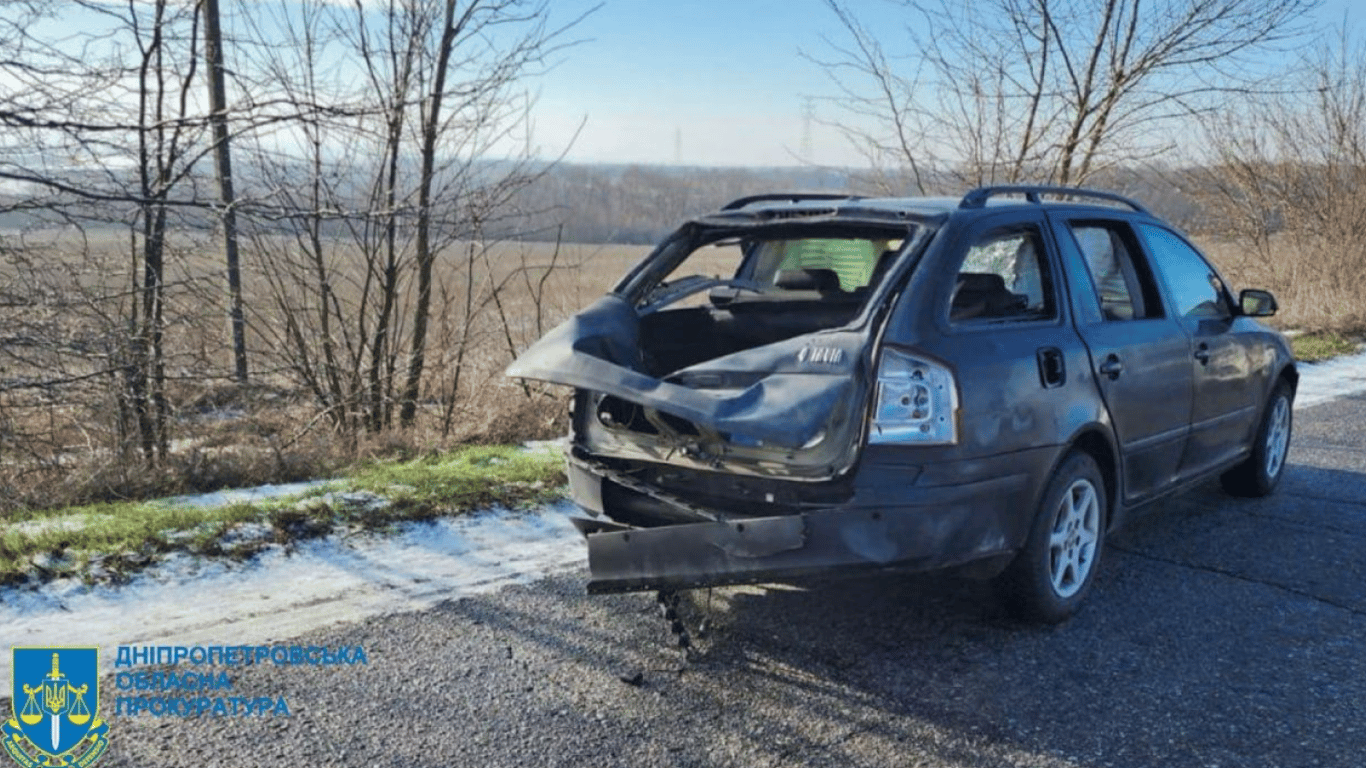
x: 1139, y: 353
x: 1225, y: 394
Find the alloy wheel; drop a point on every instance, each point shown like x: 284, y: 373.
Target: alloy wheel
x: 1072, y: 544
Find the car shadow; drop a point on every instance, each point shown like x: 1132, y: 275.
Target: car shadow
x: 1219, y: 631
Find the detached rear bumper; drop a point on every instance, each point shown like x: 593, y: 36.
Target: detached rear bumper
x: 944, y: 527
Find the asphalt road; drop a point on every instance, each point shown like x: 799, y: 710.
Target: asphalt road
x: 1221, y: 633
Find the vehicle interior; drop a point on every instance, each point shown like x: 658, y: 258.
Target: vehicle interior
x: 772, y: 290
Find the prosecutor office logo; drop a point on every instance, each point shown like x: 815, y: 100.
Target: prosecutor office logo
x: 56, y: 697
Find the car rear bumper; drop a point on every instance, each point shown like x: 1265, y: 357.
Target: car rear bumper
x: 937, y: 527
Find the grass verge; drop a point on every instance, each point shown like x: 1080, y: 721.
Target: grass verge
x: 1318, y: 346
x: 109, y: 541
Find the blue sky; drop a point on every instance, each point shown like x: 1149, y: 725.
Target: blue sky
x: 711, y: 82
x: 704, y: 82
x: 707, y: 82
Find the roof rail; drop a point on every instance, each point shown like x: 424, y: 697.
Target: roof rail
x: 791, y: 197
x: 978, y: 197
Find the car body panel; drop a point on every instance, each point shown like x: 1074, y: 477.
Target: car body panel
x: 1149, y: 399
x: 1228, y: 389
x: 958, y: 513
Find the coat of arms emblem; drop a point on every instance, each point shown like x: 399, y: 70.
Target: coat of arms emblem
x: 55, y: 698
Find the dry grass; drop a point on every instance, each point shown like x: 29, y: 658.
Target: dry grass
x: 1316, y: 347
x: 63, y: 440
x: 1319, y: 286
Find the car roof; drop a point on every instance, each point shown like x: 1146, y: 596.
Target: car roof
x: 780, y: 206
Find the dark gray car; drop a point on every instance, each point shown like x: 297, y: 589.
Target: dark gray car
x: 801, y: 384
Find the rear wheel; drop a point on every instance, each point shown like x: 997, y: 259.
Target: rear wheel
x: 1261, y: 472
x: 1052, y: 574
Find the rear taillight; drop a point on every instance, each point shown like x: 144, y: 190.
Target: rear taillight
x: 916, y: 402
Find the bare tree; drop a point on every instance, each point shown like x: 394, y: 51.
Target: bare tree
x: 384, y: 144
x: 1286, y: 191
x: 112, y: 137
x: 107, y: 297
x: 1055, y: 90
x: 470, y: 93
x: 413, y: 168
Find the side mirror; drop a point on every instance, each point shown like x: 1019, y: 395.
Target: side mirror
x: 1256, y: 303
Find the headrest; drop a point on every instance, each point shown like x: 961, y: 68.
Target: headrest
x: 981, y: 282
x: 823, y: 280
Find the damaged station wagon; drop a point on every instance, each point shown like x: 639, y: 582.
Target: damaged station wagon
x: 804, y: 384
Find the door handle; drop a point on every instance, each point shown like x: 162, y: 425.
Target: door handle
x: 1052, y: 371
x: 1202, y: 354
x: 1112, y: 367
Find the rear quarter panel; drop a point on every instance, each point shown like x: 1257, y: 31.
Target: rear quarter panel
x: 1010, y: 421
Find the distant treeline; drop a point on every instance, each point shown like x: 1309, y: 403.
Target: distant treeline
x: 639, y: 204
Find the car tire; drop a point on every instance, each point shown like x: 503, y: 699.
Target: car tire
x: 1261, y: 472
x: 1051, y: 575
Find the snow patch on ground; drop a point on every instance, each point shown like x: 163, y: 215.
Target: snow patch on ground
x: 34, y: 528
x: 1339, y: 377
x: 190, y: 600
x: 230, y: 496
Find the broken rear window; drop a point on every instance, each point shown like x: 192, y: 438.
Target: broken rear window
x: 832, y: 268
x: 853, y: 262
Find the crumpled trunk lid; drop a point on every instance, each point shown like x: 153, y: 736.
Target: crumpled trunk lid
x: 793, y: 407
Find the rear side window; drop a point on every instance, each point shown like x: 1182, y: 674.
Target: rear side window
x: 1004, y: 276
x: 1123, y: 282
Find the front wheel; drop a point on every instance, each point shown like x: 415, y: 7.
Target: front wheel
x: 1053, y: 572
x: 1261, y: 472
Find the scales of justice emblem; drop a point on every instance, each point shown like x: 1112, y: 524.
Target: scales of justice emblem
x: 65, y: 694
